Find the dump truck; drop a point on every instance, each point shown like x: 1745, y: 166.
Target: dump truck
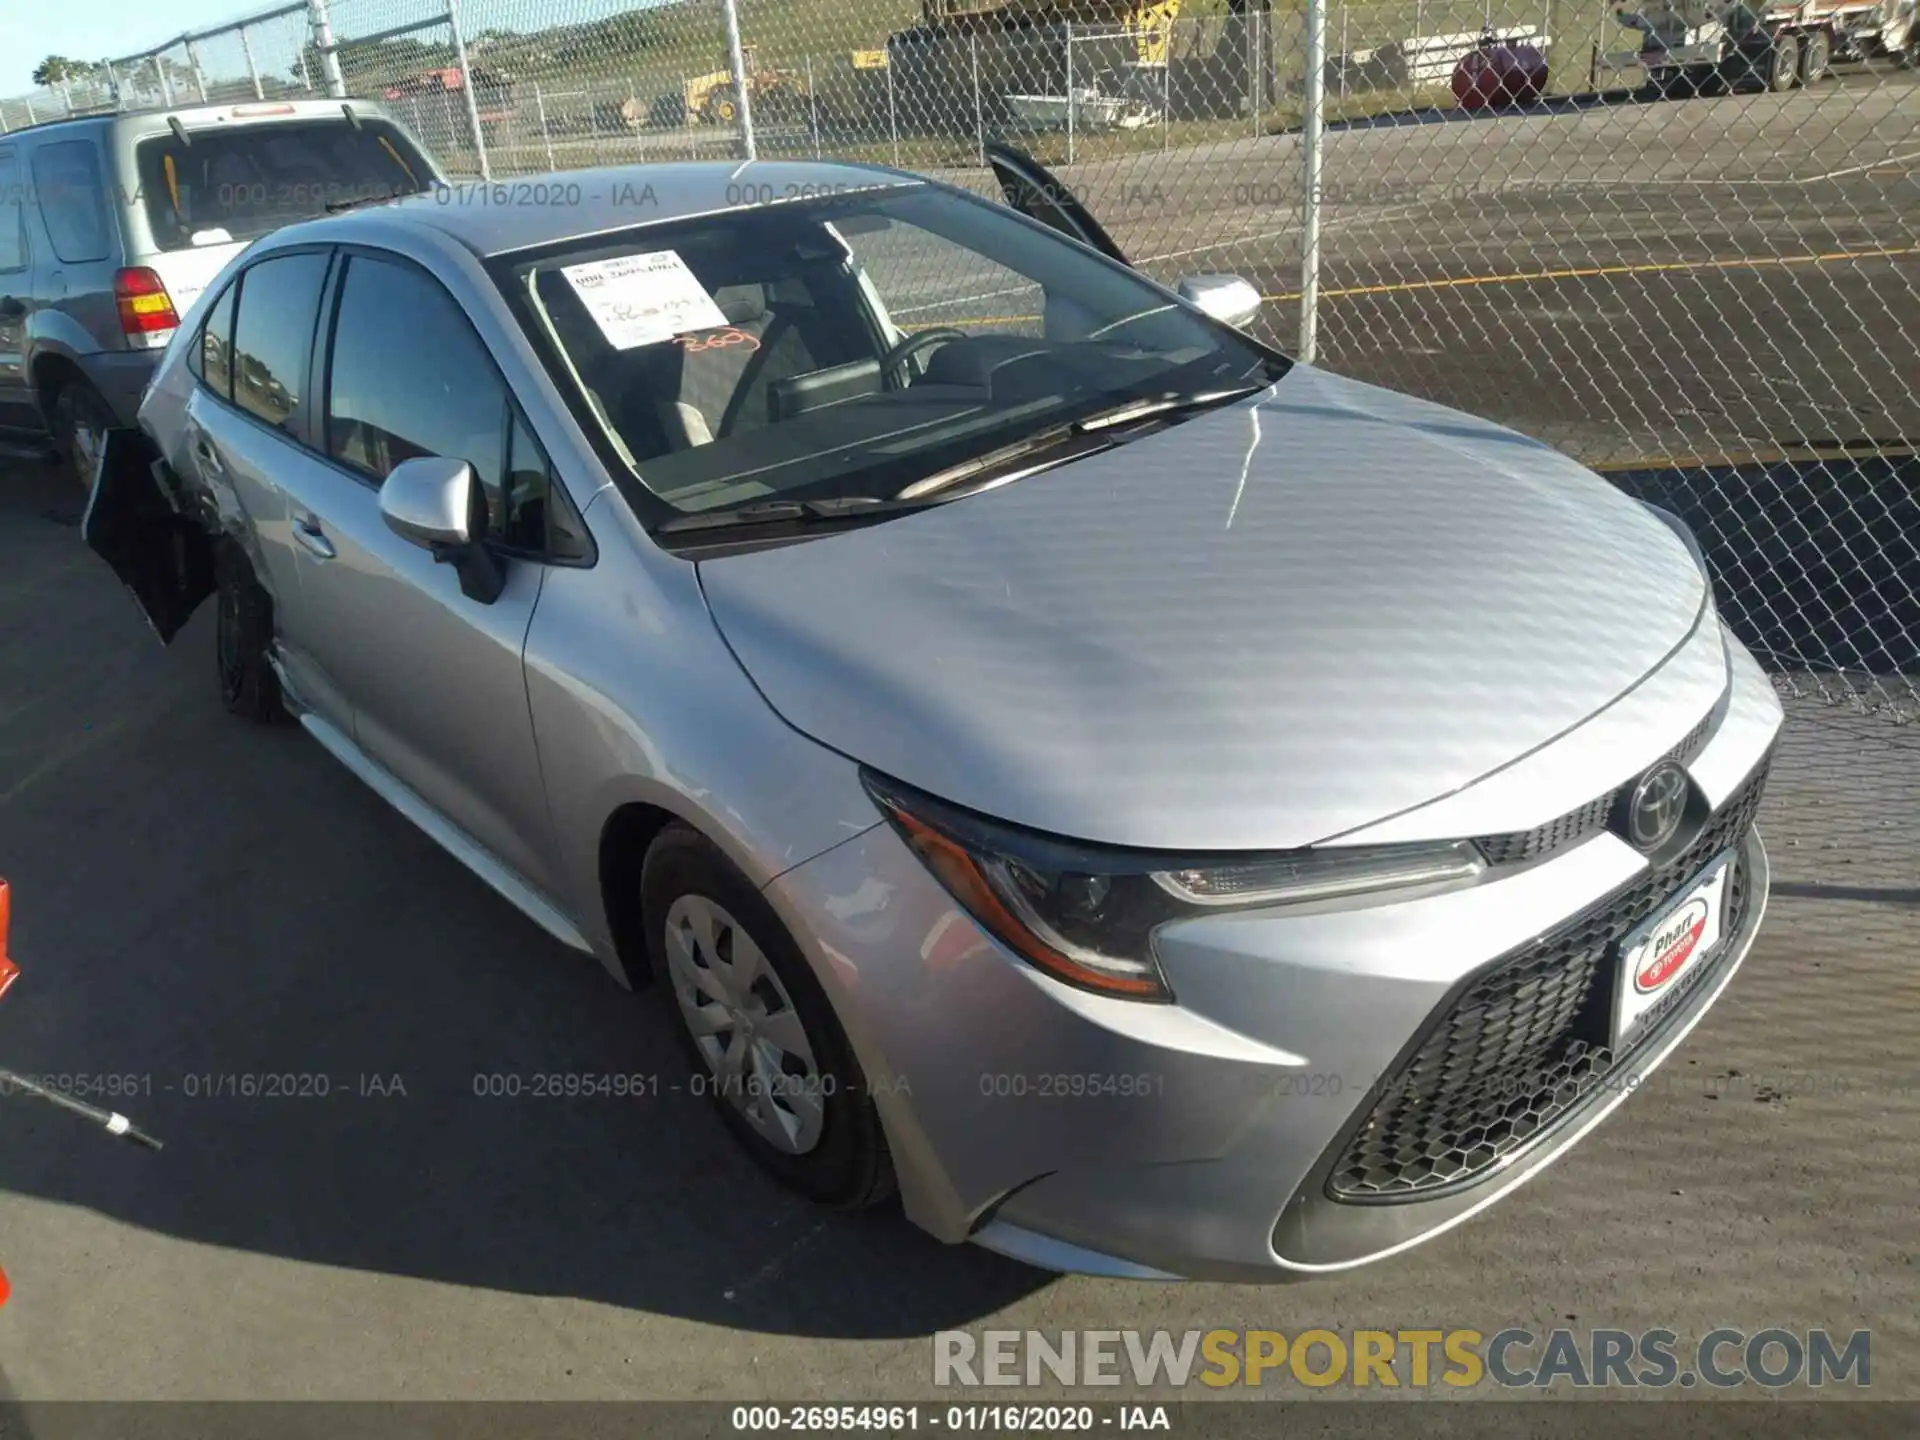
x: 1014, y: 53
x: 1691, y: 47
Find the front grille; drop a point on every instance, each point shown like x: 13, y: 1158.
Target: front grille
x: 1507, y: 1058
x: 1590, y: 819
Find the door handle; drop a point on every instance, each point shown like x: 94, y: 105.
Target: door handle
x: 307, y: 531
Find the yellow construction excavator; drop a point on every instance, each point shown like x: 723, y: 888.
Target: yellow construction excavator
x: 711, y: 99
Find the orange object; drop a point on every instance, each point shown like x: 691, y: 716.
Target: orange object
x: 8, y: 973
x: 6, y: 1290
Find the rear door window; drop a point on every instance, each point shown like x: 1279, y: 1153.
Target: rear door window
x: 273, y: 336
x: 244, y: 182
x: 212, y: 358
x: 73, y: 200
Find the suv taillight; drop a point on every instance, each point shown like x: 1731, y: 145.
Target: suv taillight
x: 147, y: 316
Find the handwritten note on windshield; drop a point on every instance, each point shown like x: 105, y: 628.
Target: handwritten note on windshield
x: 643, y: 299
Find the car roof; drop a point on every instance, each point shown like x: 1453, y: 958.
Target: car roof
x: 527, y: 211
x: 154, y: 120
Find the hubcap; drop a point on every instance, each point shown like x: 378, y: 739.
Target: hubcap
x: 744, y: 1024
x: 85, y: 454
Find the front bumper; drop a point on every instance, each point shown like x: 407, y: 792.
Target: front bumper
x: 1196, y: 1140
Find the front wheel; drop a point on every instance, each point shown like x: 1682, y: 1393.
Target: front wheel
x: 757, y: 1028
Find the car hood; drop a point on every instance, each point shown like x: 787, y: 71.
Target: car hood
x: 1262, y: 628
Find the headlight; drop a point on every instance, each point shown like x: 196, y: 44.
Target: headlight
x: 1087, y: 915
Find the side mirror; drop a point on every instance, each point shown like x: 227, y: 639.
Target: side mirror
x: 434, y: 502
x: 1226, y: 298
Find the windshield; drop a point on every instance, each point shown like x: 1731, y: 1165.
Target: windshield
x: 851, y: 346
x: 244, y: 182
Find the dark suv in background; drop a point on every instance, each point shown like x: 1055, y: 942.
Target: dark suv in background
x: 111, y: 225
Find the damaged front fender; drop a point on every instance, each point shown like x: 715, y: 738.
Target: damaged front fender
x: 136, y: 521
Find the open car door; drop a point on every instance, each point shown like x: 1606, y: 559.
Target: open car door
x: 1034, y: 191
x: 133, y: 523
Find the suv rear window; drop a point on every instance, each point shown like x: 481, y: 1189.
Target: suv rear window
x: 244, y: 182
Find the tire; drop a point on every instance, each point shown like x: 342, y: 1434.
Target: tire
x: 1784, y: 71
x: 1816, y: 53
x: 698, y: 908
x: 243, y: 631
x: 723, y: 111
x: 81, y: 419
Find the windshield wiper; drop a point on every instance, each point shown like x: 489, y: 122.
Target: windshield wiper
x: 776, y: 512
x: 980, y: 468
x: 988, y: 468
x: 1164, y: 405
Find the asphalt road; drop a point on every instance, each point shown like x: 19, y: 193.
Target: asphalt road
x: 1629, y: 280
x: 196, y: 898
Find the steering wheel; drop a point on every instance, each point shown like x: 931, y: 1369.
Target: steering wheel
x: 895, y: 360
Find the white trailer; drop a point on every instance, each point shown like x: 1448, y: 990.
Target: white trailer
x: 1698, y: 46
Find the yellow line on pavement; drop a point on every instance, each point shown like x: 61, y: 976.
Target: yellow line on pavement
x: 1788, y: 455
x: 1590, y: 272
x: 1526, y: 277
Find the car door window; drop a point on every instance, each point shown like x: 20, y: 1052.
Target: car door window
x: 409, y: 377
x: 66, y: 182
x: 211, y: 358
x: 13, y: 238
x: 528, y: 499
x: 1037, y: 193
x: 273, y: 335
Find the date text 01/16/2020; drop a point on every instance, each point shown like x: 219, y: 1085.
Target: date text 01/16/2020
x: 893, y: 1419
x: 215, y: 1085
x: 640, y: 1085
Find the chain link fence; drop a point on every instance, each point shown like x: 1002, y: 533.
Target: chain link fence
x: 1681, y: 245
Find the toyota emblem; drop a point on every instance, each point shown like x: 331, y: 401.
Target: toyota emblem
x: 1656, y: 806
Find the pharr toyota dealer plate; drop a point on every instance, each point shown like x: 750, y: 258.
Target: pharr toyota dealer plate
x: 1656, y: 958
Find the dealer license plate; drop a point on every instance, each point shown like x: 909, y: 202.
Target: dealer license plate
x: 1657, y: 959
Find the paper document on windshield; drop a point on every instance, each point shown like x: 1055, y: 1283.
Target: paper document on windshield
x: 643, y: 299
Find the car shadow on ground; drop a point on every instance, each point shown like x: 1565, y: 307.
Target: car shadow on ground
x: 1814, y: 559
x: 317, y: 1011
x: 327, y: 1020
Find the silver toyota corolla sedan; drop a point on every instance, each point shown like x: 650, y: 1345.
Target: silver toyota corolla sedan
x: 1171, y: 811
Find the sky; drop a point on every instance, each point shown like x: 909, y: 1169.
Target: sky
x: 31, y: 30
x: 94, y: 29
